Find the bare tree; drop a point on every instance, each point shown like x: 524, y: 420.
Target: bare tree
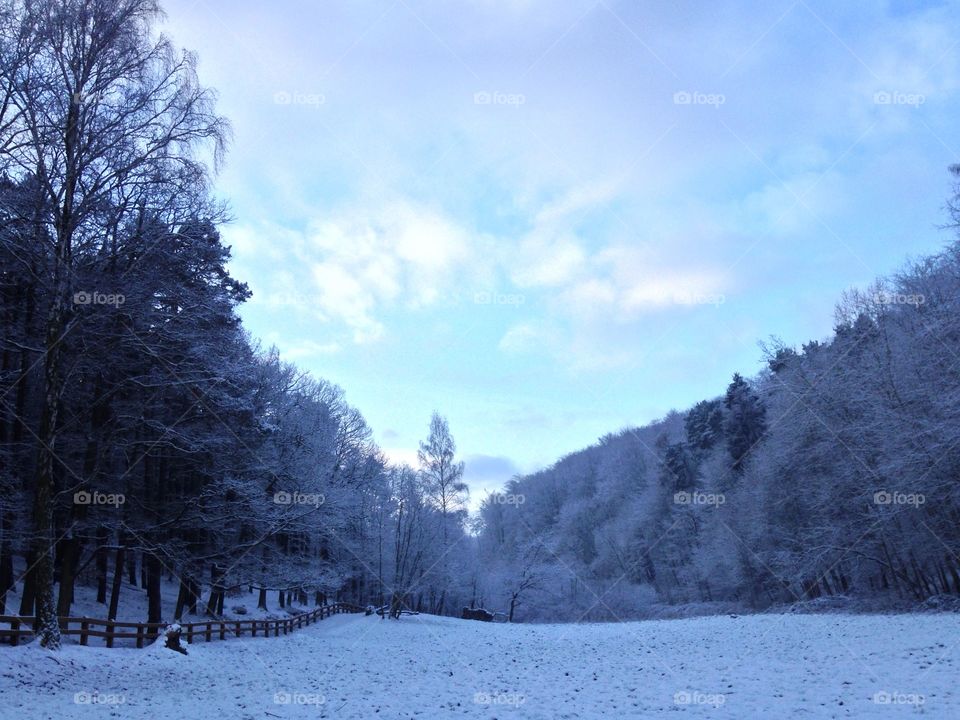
x: 107, y: 120
x: 443, y: 482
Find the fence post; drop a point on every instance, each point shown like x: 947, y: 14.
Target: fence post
x: 190, y: 632
x: 223, y: 630
x: 209, y: 631
x: 84, y: 628
x: 111, y: 629
x: 139, y: 636
x: 239, y: 630
x: 14, y: 632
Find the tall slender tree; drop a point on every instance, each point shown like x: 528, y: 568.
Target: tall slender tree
x: 443, y: 482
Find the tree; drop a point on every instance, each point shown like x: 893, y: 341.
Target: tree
x: 413, y: 535
x: 745, y: 423
x: 443, y: 484
x: 106, y: 120
x: 443, y: 475
x: 529, y: 577
x: 704, y: 424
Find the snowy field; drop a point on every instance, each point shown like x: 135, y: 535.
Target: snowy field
x: 765, y: 666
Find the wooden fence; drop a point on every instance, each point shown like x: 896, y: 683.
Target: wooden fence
x: 208, y: 630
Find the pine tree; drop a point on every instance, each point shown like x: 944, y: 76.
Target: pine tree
x: 745, y: 423
x: 704, y: 424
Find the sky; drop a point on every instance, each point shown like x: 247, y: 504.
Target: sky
x: 552, y: 219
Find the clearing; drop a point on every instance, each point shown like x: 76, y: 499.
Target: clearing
x: 761, y: 666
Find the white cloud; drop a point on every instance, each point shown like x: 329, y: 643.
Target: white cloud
x: 521, y: 338
x: 546, y: 260
x: 401, y: 456
x: 343, y: 295
x: 581, y: 197
x: 591, y: 295
x: 360, y: 262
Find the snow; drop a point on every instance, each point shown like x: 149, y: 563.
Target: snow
x: 354, y: 666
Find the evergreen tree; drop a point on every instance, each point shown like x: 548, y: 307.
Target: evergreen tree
x: 745, y: 423
x: 704, y: 424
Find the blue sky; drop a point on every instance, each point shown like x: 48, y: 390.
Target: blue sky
x: 551, y: 219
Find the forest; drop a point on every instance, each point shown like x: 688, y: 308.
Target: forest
x: 830, y: 474
x: 144, y: 434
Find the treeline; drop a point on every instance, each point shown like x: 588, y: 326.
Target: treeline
x: 834, y: 472
x: 142, y: 433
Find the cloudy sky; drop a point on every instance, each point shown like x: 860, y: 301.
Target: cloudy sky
x: 549, y: 219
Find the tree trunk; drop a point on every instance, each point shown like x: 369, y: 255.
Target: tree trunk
x: 70, y: 552
x: 6, y: 574
x: 132, y: 569
x: 103, y: 536
x: 46, y: 627
x: 29, y: 586
x: 117, y: 581
x: 183, y: 597
x: 154, y: 574
x: 215, y: 600
x: 6, y: 560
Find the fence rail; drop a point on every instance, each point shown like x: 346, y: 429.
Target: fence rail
x: 208, y: 630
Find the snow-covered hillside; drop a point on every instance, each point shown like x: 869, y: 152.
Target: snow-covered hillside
x: 764, y: 666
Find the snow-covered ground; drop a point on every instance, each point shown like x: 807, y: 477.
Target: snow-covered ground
x: 762, y: 666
